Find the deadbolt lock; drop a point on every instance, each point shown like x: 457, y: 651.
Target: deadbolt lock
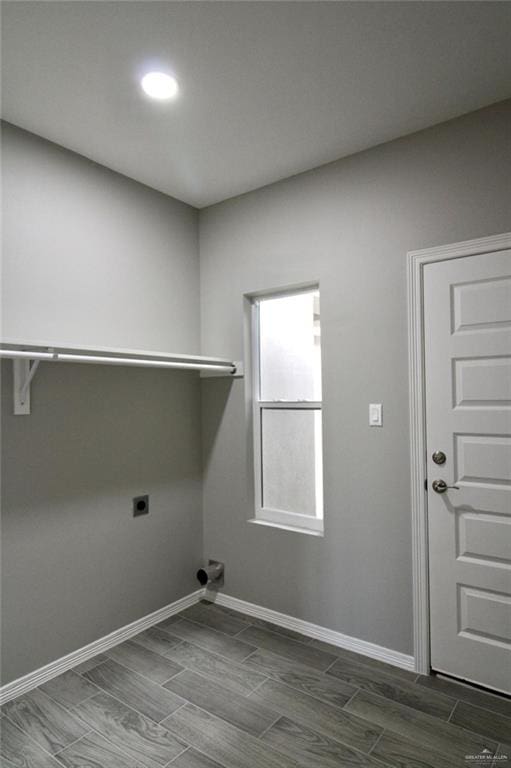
x: 439, y: 457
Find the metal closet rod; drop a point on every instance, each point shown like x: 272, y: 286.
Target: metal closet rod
x: 77, y: 357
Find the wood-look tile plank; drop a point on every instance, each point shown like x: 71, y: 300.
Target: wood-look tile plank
x: 311, y: 749
x: 211, y: 640
x: 256, y: 622
x: 236, y: 677
x: 69, y: 689
x: 89, y: 664
x: 18, y: 750
x: 168, y: 622
x: 290, y: 649
x: 95, y: 751
x: 482, y: 721
x: 193, y: 759
x: 156, y: 640
x: 433, y: 703
x: 299, y: 676
x: 134, y: 734
x: 205, y: 613
x: 327, y: 720
x: 284, y: 631
x: 396, y: 750
x: 139, y: 659
x: 135, y: 691
x: 45, y: 720
x: 344, y: 653
x: 221, y: 702
x: 504, y: 751
x: 422, y: 729
x: 222, y: 742
x: 467, y: 693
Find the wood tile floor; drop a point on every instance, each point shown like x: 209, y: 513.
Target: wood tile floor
x: 213, y: 688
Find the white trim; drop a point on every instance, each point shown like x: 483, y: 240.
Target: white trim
x: 416, y: 261
x: 465, y: 248
x: 289, y: 521
x: 315, y: 631
x: 293, y: 405
x: 57, y: 667
x: 256, y: 410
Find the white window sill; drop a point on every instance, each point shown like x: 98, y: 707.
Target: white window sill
x: 292, y: 528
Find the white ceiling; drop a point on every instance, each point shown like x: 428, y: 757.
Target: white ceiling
x: 268, y: 89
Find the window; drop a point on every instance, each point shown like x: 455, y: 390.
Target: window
x: 287, y: 410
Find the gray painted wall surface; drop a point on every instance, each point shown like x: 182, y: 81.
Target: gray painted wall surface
x: 76, y: 564
x: 91, y: 257
x: 349, y: 225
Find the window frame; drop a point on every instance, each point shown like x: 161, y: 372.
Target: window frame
x: 267, y: 515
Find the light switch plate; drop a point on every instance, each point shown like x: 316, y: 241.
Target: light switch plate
x: 375, y: 415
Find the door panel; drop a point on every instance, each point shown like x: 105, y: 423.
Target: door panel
x: 482, y: 382
x: 467, y: 329
x: 482, y: 304
x: 482, y: 459
x: 485, y: 613
x: 483, y: 536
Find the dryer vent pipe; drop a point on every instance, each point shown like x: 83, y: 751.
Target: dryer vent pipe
x: 210, y: 574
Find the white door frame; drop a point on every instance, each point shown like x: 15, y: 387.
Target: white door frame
x: 415, y: 266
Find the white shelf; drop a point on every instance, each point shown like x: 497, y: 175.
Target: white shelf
x: 23, y: 353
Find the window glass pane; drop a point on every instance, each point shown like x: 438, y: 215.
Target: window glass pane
x: 292, y: 470
x: 290, y: 350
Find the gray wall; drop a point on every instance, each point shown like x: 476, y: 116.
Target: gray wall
x: 348, y: 225
x: 91, y: 257
x: 76, y: 564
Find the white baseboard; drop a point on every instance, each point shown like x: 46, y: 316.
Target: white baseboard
x: 54, y: 668
x: 318, y: 633
x: 57, y: 667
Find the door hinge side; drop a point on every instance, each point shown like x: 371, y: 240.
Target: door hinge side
x: 426, y: 484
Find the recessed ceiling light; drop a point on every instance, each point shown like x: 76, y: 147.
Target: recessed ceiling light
x: 160, y: 86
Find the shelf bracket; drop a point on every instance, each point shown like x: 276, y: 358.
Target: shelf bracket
x: 24, y: 371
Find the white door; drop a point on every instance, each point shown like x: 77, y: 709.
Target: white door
x: 467, y: 327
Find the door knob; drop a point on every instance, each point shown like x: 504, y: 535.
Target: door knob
x: 440, y: 486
